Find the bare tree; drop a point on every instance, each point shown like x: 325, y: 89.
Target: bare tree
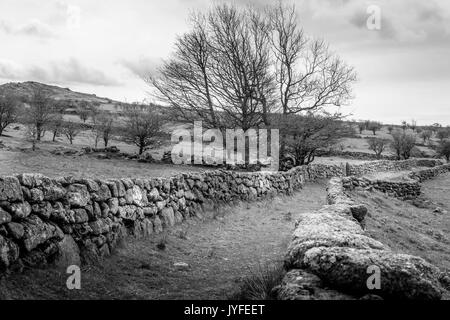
x: 443, y: 134
x: 84, y: 110
x: 56, y: 126
x: 374, y: 127
x: 142, y: 125
x: 40, y: 113
x: 220, y: 71
x: 71, y: 130
x: 404, y: 125
x: 426, y: 135
x: 390, y: 129
x: 413, y: 125
x: 444, y: 150
x: 361, y: 127
x: 31, y: 134
x: 403, y: 144
x: 378, y: 146
x: 9, y: 111
x: 309, y: 76
x: 104, y: 125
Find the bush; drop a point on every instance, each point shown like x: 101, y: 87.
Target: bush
x: 444, y: 150
x: 378, y: 146
x: 259, y: 285
x: 403, y: 144
x: 374, y: 127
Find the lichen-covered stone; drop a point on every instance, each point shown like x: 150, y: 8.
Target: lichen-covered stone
x: 402, y: 276
x: 10, y: 189
x: 78, y: 195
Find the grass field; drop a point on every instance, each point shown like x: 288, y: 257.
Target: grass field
x: 420, y: 227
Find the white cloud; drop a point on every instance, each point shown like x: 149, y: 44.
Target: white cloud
x: 64, y: 72
x: 70, y: 14
x: 35, y: 28
x: 142, y: 67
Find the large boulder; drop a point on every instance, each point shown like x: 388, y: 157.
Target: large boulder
x: 37, y: 232
x: 402, y: 276
x: 326, y: 229
x: 299, y: 284
x: 10, y: 189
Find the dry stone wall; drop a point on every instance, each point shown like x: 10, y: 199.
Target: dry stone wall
x: 40, y: 216
x: 408, y: 188
x: 44, y: 220
x: 405, y: 189
x: 429, y: 173
x: 331, y: 257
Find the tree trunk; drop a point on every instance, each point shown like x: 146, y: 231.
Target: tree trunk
x: 38, y: 132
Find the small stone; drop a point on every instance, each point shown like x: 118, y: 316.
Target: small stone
x: 181, y: 265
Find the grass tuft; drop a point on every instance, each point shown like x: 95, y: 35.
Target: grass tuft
x: 260, y: 283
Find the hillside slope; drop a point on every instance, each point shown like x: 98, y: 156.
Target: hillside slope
x: 25, y: 89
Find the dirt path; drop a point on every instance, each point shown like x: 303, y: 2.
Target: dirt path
x: 219, y: 252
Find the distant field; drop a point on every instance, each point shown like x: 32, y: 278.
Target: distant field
x: 19, y: 158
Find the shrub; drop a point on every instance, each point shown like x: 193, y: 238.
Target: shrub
x: 444, y: 150
x: 403, y: 144
x: 260, y: 283
x: 374, y: 127
x: 378, y: 146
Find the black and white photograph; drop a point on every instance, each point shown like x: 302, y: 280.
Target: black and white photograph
x: 230, y: 156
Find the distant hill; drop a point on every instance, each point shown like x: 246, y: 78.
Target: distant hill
x: 25, y: 89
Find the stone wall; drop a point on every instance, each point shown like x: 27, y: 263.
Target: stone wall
x: 331, y: 257
x: 429, y: 173
x: 405, y: 189
x: 408, y: 187
x: 42, y: 218
x: 386, y: 165
x: 39, y: 215
x: 354, y: 155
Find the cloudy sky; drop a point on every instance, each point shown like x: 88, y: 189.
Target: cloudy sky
x: 103, y: 46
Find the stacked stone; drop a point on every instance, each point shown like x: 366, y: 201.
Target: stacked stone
x: 355, y: 155
x: 385, y: 165
x: 39, y: 216
x: 403, y: 189
x: 429, y: 173
x: 37, y: 213
x: 324, y: 171
x: 331, y: 257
